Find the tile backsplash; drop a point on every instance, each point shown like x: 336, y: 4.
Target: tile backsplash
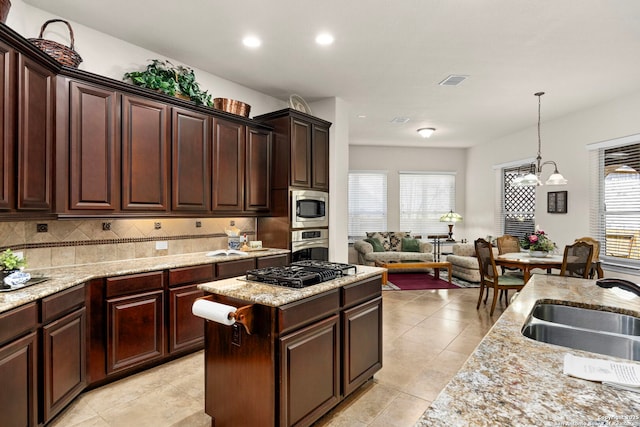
x: 69, y: 242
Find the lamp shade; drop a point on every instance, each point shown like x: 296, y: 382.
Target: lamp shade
x: 556, y: 178
x: 530, y: 179
x: 426, y: 132
x: 451, y: 216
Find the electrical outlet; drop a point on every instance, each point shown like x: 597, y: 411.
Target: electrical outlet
x: 157, y: 225
x: 106, y: 226
x: 198, y: 224
x: 162, y: 245
x: 42, y: 228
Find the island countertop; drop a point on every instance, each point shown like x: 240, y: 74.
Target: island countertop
x: 61, y: 278
x: 274, y: 295
x: 511, y: 380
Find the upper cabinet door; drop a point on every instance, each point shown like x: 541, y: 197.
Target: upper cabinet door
x: 190, y: 143
x: 7, y: 125
x: 36, y: 97
x: 320, y: 168
x: 300, y: 153
x: 94, y: 140
x: 258, y: 170
x: 145, y: 154
x: 228, y: 166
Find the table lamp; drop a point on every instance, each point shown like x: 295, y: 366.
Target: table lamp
x: 451, y: 217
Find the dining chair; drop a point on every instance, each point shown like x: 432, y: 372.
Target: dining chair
x: 595, y: 259
x: 489, y: 277
x: 576, y: 261
x: 508, y: 244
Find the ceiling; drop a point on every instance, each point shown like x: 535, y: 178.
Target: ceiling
x: 389, y: 56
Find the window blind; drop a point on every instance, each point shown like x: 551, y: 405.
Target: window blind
x: 367, y: 203
x: 615, y: 201
x: 424, y: 198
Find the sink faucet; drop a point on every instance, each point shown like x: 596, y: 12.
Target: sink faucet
x: 619, y: 283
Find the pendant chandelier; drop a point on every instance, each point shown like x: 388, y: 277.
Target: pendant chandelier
x: 535, y: 169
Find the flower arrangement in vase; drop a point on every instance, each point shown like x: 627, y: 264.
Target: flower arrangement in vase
x: 9, y: 262
x: 538, y: 243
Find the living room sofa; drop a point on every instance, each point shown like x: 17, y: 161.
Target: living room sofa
x: 464, y: 263
x: 392, y: 245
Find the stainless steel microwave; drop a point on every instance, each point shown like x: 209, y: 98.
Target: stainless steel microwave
x: 309, y: 209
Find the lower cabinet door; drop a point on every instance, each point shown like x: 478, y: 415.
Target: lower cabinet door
x: 64, y: 361
x: 135, y: 332
x: 310, y: 372
x: 186, y: 331
x: 362, y: 342
x: 19, y: 382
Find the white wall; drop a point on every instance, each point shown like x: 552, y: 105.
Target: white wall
x: 111, y: 57
x: 393, y: 160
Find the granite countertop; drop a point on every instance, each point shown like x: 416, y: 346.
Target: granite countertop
x: 511, y: 380
x: 275, y: 296
x: 61, y: 278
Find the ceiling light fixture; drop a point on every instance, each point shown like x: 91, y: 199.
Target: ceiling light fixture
x: 426, y: 132
x: 252, y: 42
x: 324, y: 39
x: 535, y: 169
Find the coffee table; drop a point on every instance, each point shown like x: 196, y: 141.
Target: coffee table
x: 436, y: 265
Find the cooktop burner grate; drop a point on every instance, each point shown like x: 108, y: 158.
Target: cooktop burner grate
x: 300, y: 274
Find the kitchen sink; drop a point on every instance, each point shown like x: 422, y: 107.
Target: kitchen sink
x: 597, y: 331
x: 587, y: 318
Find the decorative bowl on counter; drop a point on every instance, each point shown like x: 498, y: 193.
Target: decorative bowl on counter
x: 232, y: 106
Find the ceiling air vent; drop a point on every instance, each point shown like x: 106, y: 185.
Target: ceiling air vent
x: 453, y: 80
x: 400, y: 120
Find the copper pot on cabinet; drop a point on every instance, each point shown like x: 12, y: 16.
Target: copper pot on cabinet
x: 232, y: 106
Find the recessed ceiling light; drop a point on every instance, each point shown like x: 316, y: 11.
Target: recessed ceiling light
x: 426, y: 132
x: 324, y: 39
x: 362, y: 116
x: 251, y: 41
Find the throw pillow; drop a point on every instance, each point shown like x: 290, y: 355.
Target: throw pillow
x: 410, y: 245
x: 395, y: 239
x: 377, y: 246
x: 383, y: 237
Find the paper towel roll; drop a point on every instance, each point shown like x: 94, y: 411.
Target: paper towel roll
x: 213, y: 311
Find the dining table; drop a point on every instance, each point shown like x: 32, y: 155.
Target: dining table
x: 525, y: 262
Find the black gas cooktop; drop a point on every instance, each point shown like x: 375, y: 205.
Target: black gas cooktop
x: 301, y: 274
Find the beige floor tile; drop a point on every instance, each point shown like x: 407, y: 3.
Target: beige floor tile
x: 428, y: 335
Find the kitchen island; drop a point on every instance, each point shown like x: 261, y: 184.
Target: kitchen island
x: 302, y: 353
x: 511, y: 380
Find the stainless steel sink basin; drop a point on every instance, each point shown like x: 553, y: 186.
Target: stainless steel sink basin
x: 588, y: 318
x: 601, y: 332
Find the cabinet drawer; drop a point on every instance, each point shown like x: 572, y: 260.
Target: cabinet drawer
x: 18, y: 321
x: 308, y: 310
x: 361, y: 291
x: 272, y: 261
x: 234, y: 268
x: 134, y: 283
x: 186, y: 275
x: 61, y: 303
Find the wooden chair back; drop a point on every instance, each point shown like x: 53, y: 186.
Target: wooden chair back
x: 508, y: 244
x: 486, y: 263
x: 576, y: 261
x: 596, y: 247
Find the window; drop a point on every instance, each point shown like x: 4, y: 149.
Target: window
x: 615, y: 200
x: 424, y: 198
x: 518, y: 206
x: 367, y: 202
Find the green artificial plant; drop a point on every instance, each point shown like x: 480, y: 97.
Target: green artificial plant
x: 173, y: 80
x: 10, y: 261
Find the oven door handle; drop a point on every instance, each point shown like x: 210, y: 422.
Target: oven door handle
x: 310, y: 244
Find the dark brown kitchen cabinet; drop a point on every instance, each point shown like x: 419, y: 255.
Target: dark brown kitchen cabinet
x: 310, y: 372
x: 145, y: 154
x: 36, y: 101
x: 19, y: 366
x: 94, y: 148
x: 228, y: 166
x: 7, y: 125
x: 63, y: 349
x: 191, y: 145
x: 300, y: 150
x: 135, y: 320
x: 186, y: 331
x: 258, y: 170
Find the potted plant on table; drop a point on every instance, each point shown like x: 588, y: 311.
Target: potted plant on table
x: 179, y: 81
x: 538, y: 243
x: 9, y: 262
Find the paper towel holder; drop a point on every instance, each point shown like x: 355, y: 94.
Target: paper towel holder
x: 243, y: 315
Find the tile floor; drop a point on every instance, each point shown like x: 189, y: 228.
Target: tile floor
x: 427, y: 337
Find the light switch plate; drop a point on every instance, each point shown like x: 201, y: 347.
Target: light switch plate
x: 162, y: 245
